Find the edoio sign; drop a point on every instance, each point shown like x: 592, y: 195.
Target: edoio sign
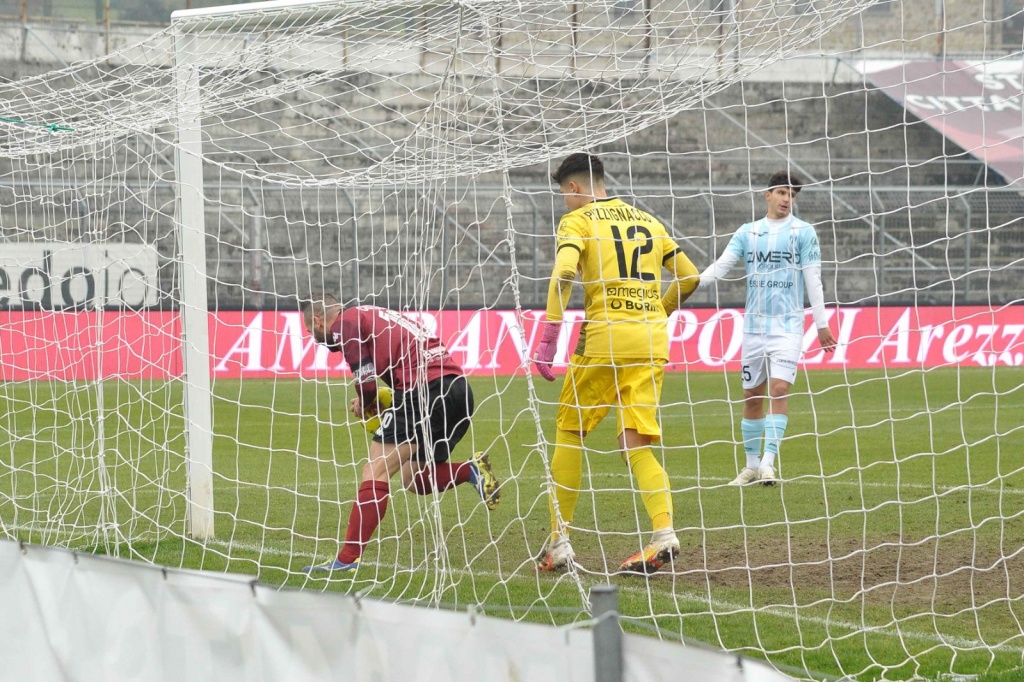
x: 71, y: 346
x: 62, y: 275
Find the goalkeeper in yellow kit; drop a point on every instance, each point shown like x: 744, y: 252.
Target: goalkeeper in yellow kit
x: 618, y: 251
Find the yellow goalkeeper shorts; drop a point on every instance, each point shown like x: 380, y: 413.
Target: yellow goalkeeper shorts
x: 595, y: 385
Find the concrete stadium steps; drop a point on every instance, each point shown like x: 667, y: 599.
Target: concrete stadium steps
x: 308, y: 237
x: 853, y: 144
x: 374, y: 244
x: 351, y: 122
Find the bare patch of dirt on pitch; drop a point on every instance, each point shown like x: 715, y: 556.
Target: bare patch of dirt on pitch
x: 948, y: 574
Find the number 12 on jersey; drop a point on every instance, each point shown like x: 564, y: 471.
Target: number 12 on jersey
x: 633, y: 271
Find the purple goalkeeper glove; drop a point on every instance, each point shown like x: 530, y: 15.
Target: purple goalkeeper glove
x: 545, y: 353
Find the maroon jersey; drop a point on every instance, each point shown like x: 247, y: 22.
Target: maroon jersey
x: 379, y: 343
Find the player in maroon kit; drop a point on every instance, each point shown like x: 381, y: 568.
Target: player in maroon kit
x: 430, y: 413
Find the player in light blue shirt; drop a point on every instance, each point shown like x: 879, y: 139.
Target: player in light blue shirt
x: 783, y: 260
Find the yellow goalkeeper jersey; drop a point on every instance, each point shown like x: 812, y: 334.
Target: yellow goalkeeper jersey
x: 622, y: 251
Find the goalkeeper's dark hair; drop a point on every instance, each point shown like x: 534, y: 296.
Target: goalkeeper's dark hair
x: 784, y: 178
x: 317, y: 305
x: 579, y: 164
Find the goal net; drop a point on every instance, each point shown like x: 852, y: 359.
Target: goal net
x: 164, y: 210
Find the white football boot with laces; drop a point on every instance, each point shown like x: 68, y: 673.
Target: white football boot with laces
x: 747, y: 476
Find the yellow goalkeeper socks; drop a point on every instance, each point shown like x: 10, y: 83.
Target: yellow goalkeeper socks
x: 654, y: 486
x: 566, y: 472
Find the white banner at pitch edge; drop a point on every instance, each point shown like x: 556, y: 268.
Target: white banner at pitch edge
x: 82, y: 617
x: 52, y: 275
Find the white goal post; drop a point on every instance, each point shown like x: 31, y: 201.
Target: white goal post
x: 195, y: 306
x: 188, y: 61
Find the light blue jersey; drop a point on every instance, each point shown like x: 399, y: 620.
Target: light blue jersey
x: 774, y: 253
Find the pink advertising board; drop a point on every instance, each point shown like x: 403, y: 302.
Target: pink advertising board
x: 134, y: 345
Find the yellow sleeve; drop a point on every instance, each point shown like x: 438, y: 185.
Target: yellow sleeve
x: 567, y: 259
x: 685, y: 283
x: 560, y: 286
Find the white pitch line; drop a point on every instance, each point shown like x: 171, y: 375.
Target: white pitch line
x: 816, y: 481
x: 991, y: 487
x: 685, y: 410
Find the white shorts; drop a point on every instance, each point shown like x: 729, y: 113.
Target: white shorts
x: 772, y: 356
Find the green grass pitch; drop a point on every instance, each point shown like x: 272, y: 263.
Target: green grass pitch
x: 893, y: 548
